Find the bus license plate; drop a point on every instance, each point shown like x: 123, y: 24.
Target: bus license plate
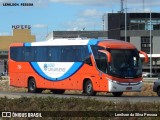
x: 128, y: 88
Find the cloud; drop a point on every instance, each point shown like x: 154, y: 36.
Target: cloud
x: 140, y: 2
x: 97, y: 3
x: 78, y: 23
x: 91, y: 13
x: 4, y: 34
x: 89, y: 19
x: 39, y: 26
x: 111, y: 3
x: 7, y: 1
x: 73, y: 29
x: 38, y: 3
x: 40, y: 37
x: 82, y: 23
x: 81, y: 2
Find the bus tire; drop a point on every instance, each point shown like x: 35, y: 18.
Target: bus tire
x: 89, y: 88
x: 57, y: 91
x: 117, y: 94
x: 32, y: 86
x: 158, y: 91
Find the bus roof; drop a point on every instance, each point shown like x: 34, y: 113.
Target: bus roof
x: 107, y: 43
x: 114, y: 44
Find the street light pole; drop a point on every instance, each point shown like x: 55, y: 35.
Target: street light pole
x: 150, y: 41
x: 126, y: 21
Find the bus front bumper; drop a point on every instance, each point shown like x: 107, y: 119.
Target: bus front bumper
x: 115, y: 86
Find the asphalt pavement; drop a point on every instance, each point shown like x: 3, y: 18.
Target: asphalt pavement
x: 131, y: 99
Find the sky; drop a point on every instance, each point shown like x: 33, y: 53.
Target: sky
x: 46, y: 16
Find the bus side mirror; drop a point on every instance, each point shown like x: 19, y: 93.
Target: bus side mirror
x: 145, y: 56
x: 108, y: 54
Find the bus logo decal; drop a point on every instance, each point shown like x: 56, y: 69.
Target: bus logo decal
x: 49, y: 70
x: 50, y: 67
x: 45, y: 67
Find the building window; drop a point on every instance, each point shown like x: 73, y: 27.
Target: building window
x: 144, y: 24
x: 145, y: 44
x: 3, y: 52
x: 137, y: 24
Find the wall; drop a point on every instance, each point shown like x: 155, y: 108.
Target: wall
x: 136, y: 42
x: 19, y: 35
x: 156, y: 45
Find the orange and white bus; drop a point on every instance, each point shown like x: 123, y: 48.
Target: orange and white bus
x: 89, y: 65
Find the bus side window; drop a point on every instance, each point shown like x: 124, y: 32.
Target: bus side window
x: 100, y: 58
x: 29, y: 54
x: 17, y: 53
x: 68, y: 54
x: 40, y: 54
x: 80, y: 53
x: 77, y: 53
x: 102, y: 62
x: 56, y: 53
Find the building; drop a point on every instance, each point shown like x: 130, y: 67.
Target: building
x: 138, y: 26
x: 76, y: 34
x: 138, y: 29
x: 19, y: 35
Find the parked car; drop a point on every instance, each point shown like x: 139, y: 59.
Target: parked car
x: 147, y: 74
x: 156, y: 87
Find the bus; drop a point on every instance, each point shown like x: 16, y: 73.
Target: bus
x: 88, y: 65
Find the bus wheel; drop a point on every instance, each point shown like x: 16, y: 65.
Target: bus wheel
x: 57, y: 91
x: 117, y: 94
x: 89, y: 88
x: 158, y: 91
x: 32, y: 86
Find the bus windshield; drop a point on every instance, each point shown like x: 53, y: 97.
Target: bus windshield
x: 125, y: 63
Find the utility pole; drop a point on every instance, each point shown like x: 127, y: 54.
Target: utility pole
x: 150, y: 41
x: 122, y: 9
x: 126, y: 21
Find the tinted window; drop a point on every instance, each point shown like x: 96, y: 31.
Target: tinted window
x: 100, y: 58
x: 41, y: 54
x: 29, y: 54
x: 50, y: 53
x: 55, y: 54
x: 69, y: 53
x: 125, y: 63
x: 17, y: 53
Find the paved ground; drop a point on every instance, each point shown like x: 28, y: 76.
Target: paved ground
x: 131, y: 99
x: 126, y: 98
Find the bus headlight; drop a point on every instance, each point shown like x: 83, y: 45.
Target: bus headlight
x: 112, y: 80
x: 124, y: 83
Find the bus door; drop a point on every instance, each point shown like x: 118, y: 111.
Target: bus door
x: 103, y: 61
